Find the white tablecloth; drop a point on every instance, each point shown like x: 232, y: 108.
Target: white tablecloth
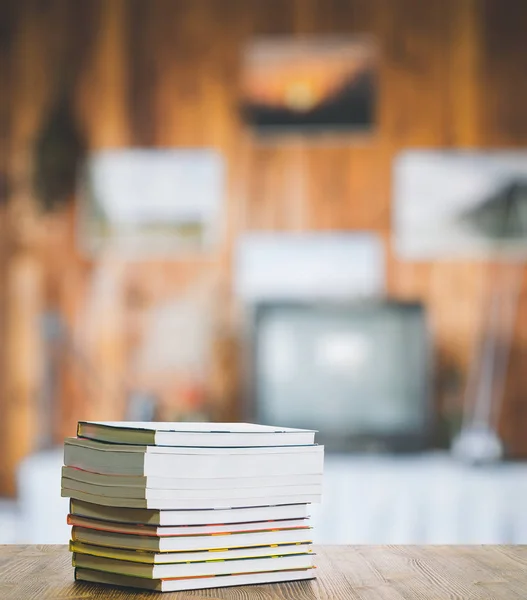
x: 371, y: 500
x: 426, y: 499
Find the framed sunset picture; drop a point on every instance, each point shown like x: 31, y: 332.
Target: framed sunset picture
x: 314, y: 84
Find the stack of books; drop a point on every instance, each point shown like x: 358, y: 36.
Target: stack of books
x: 181, y: 506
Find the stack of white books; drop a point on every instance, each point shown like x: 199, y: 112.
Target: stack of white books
x: 181, y: 506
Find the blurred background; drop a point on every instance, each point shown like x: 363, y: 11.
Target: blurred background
x: 296, y: 212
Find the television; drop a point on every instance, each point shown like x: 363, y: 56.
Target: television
x: 356, y: 372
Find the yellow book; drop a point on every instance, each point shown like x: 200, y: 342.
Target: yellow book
x: 194, y: 569
x: 143, y: 556
x: 191, y: 542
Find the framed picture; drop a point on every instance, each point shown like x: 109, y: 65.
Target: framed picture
x: 460, y: 204
x: 309, y: 266
x: 310, y: 84
x: 146, y: 203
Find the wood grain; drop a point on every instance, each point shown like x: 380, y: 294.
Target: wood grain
x: 166, y: 73
x: 344, y: 573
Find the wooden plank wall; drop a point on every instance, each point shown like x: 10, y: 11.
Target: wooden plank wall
x: 166, y: 73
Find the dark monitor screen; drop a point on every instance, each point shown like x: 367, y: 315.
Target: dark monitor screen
x: 356, y: 373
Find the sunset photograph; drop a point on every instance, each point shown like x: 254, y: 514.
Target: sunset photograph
x: 323, y: 83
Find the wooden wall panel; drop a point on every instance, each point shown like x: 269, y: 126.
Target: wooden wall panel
x: 21, y: 286
x: 6, y: 74
x: 504, y: 125
x: 166, y: 73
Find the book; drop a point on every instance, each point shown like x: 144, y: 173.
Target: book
x: 194, y: 569
x: 145, y: 556
x: 160, y: 461
x: 214, y: 435
x: 192, y: 542
x: 154, y: 531
x: 195, y: 583
x: 189, y: 503
x: 188, y: 483
x: 181, y: 506
x: 115, y: 491
x: 187, y: 517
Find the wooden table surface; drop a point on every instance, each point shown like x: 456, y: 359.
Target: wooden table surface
x: 344, y: 573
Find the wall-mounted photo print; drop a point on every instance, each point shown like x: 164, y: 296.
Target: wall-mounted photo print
x: 309, y: 266
x: 460, y: 204
x: 322, y: 83
x: 146, y: 203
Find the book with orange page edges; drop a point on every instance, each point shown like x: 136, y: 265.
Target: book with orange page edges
x: 185, y: 506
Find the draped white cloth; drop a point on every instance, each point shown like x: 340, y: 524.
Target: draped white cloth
x: 419, y: 499
x: 423, y: 499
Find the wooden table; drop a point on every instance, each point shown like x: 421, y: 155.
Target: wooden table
x: 344, y: 573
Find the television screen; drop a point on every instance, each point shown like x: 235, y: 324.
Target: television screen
x: 357, y: 373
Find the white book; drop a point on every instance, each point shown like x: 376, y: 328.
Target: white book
x: 189, y: 503
x: 194, y: 556
x: 191, y: 542
x: 174, y: 518
x: 165, y: 461
x: 194, y: 569
x: 212, y: 495
x: 215, y: 435
x: 188, y: 450
x: 154, y: 530
x: 168, y: 483
x: 198, y: 583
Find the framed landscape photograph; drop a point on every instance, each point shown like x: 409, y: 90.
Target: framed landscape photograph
x: 460, y: 204
x: 308, y: 266
x: 145, y: 203
x: 310, y: 84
